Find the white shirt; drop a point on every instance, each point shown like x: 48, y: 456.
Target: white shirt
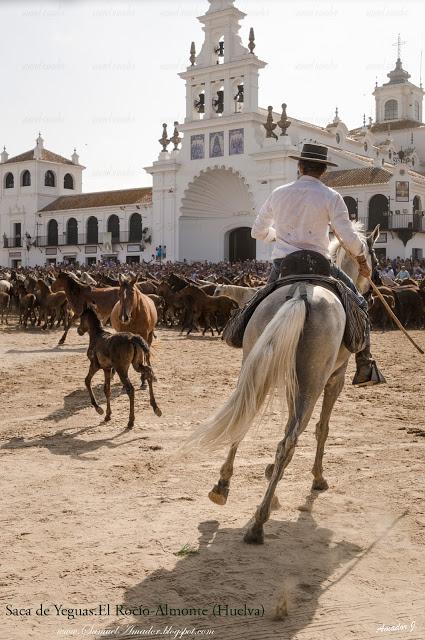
x: 298, y: 216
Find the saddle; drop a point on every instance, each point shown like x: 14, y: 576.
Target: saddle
x: 308, y: 269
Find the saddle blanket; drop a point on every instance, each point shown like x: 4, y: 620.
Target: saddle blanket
x: 356, y: 318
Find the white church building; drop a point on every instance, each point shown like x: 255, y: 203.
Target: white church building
x: 217, y: 167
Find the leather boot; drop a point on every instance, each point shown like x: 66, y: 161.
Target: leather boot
x: 367, y: 372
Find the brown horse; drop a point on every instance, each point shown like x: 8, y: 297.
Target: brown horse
x: 79, y: 294
x: 52, y: 304
x: 116, y: 351
x: 134, y: 312
x: 27, y: 303
x: 208, y: 309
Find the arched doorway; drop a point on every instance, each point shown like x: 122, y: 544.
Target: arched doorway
x: 216, y: 203
x: 92, y: 230
x: 378, y: 212
x: 72, y: 231
x: 52, y: 233
x: 114, y: 228
x: 241, y: 245
x: 135, y: 228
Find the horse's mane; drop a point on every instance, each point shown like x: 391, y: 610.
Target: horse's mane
x: 336, y: 250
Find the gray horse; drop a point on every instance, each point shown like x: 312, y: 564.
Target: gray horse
x: 286, y: 349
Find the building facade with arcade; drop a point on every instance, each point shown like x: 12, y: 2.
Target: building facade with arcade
x: 217, y: 166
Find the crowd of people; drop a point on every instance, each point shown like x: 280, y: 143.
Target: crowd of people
x: 402, y: 269
x: 196, y: 270
x: 394, y: 269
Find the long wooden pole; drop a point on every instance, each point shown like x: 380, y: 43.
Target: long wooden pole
x: 393, y: 316
x: 384, y: 302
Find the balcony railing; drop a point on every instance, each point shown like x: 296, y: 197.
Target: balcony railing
x: 410, y: 221
x: 82, y: 239
x: 12, y: 243
x: 396, y: 222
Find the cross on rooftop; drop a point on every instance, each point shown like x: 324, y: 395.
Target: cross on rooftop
x: 398, y: 45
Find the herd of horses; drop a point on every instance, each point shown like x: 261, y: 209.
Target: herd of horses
x: 131, y: 308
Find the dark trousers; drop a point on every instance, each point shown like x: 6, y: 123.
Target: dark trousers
x: 339, y: 275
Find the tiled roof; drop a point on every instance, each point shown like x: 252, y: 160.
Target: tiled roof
x: 101, y: 199
x: 356, y: 177
x: 45, y: 155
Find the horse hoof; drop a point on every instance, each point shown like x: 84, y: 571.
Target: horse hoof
x: 130, y: 424
x: 254, y: 535
x: 99, y: 410
x: 320, y: 485
x: 217, y: 498
x: 158, y: 412
x: 107, y: 418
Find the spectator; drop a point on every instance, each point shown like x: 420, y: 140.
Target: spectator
x: 403, y: 274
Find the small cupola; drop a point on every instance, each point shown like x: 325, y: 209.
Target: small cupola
x: 39, y: 146
x: 75, y: 157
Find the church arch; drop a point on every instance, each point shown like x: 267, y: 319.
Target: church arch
x: 215, y: 202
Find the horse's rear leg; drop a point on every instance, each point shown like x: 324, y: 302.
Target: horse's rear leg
x: 332, y: 390
x: 129, y: 389
x: 285, y: 450
x: 220, y: 491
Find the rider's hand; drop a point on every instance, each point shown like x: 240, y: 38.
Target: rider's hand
x: 364, y: 268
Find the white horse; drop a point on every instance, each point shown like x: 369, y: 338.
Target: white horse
x: 294, y: 351
x: 86, y: 278
x: 241, y: 295
x: 5, y: 286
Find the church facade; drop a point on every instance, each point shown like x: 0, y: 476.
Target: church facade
x: 217, y: 167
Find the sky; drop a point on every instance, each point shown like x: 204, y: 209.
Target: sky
x: 102, y: 76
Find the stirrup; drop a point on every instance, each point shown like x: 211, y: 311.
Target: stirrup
x: 374, y: 376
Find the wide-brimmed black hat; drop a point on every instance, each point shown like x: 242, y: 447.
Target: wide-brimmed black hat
x: 314, y: 153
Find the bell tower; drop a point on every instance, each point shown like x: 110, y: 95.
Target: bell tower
x: 223, y: 78
x: 398, y: 100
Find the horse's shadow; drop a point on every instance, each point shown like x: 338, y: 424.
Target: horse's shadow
x: 66, y: 443
x: 79, y: 399
x: 290, y: 572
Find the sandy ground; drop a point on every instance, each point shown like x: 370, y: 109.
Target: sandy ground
x: 95, y: 515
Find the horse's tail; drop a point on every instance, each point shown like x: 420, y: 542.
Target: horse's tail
x: 271, y: 363
x: 141, y: 348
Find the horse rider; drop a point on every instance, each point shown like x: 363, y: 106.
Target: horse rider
x: 297, y: 216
